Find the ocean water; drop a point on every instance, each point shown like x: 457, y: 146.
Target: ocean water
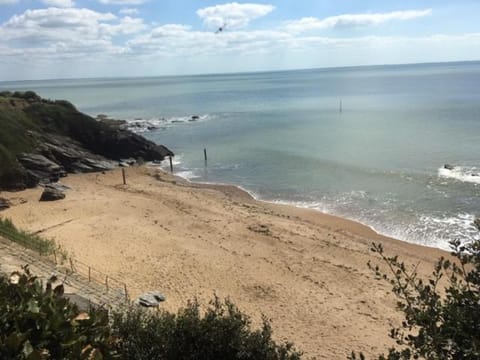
x: 366, y: 143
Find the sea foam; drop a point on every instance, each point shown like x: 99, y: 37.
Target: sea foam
x: 468, y: 174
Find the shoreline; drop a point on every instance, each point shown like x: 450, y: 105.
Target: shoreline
x: 256, y: 197
x: 303, y: 269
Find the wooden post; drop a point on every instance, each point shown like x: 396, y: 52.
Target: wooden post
x: 55, y: 256
x: 106, y: 282
x: 205, y: 155
x: 123, y: 176
x: 71, y: 264
x: 89, y: 274
x: 126, y: 293
x: 171, y: 164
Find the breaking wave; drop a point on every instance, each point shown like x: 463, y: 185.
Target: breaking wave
x: 470, y: 174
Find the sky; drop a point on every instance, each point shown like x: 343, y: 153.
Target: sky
x: 51, y: 39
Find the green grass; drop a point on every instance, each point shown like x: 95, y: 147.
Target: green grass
x: 28, y: 240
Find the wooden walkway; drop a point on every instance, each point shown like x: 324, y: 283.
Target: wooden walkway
x: 77, y: 286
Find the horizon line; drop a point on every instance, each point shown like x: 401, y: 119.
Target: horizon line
x: 246, y: 72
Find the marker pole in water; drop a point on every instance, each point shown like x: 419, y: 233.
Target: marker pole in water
x: 171, y: 164
x: 205, y: 155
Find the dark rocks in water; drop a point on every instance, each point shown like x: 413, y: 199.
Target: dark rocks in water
x: 52, y: 194
x: 448, y: 167
x: 113, y: 122
x: 4, y: 204
x: 194, y: 118
x: 151, y: 299
x: 476, y: 223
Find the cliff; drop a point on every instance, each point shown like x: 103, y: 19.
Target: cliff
x: 42, y: 140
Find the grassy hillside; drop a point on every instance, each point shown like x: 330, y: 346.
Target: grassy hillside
x: 14, y: 136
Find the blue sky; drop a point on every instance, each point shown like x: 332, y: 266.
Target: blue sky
x: 95, y: 38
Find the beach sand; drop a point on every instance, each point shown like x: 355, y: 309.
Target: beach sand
x: 304, y: 270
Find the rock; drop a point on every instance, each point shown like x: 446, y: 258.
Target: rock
x: 476, y: 223
x: 151, y: 299
x: 72, y: 156
x: 194, y: 118
x: 41, y: 169
x: 448, y: 167
x: 4, y: 204
x: 129, y: 161
x: 57, y: 186
x: 52, y: 194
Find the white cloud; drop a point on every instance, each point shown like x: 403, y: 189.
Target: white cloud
x: 60, y: 32
x: 127, y: 25
x: 68, y: 36
x: 59, y: 3
x: 129, y: 11
x: 123, y: 2
x: 353, y: 20
x: 6, y: 2
x: 233, y: 14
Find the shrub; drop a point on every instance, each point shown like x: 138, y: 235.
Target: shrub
x: 439, y: 323
x: 222, y: 332
x: 38, y: 323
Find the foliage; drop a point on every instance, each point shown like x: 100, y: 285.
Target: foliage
x: 440, y: 323
x: 38, y: 323
x: 223, y: 332
x: 30, y: 241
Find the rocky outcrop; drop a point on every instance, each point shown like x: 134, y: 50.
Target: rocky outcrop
x: 40, y: 169
x: 52, y: 138
x: 71, y: 156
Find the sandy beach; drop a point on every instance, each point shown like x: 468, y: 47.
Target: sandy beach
x: 306, y: 271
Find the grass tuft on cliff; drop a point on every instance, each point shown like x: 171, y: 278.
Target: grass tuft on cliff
x: 28, y: 240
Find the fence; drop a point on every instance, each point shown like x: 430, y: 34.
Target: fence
x: 110, y: 284
x: 107, y: 283
x: 47, y: 249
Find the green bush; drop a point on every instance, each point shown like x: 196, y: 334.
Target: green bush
x: 39, y: 323
x: 222, y: 332
x: 440, y: 323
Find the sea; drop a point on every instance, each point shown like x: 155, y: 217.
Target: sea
x: 365, y: 143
